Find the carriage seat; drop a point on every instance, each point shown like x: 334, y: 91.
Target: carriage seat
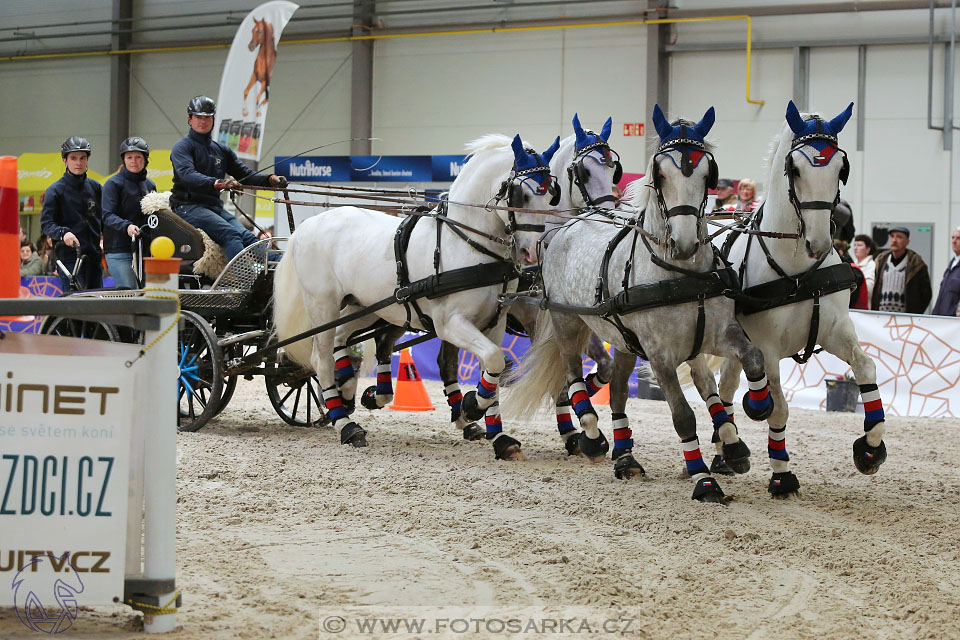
x: 198, y: 253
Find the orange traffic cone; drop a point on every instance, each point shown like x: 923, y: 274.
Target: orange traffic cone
x: 602, y: 396
x: 410, y: 394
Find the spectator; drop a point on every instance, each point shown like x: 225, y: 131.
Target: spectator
x: 747, y: 199
x: 617, y: 194
x: 23, y: 236
x: 858, y: 296
x: 71, y: 215
x: 121, y: 210
x: 902, y: 279
x: 950, y: 284
x: 30, y: 262
x: 266, y: 233
x: 842, y: 217
x: 725, y: 194
x: 45, y: 249
x: 864, y: 250
x: 200, y: 168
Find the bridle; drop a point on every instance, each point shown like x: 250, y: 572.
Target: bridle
x: 579, y: 175
x: 511, y: 189
x: 692, y: 152
x: 827, y: 148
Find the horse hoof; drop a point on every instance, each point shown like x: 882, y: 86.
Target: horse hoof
x: 572, y: 445
x: 707, y: 490
x: 784, y: 485
x: 719, y: 467
x: 473, y: 432
x: 507, y: 448
x: 353, y: 434
x: 470, y: 408
x: 868, y: 459
x: 593, y: 448
x: 756, y: 414
x: 627, y: 467
x: 736, y: 456
x: 368, y: 399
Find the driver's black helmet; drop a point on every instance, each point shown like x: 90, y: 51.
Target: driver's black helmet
x: 202, y: 106
x: 75, y: 143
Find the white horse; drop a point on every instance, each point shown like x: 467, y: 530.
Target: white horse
x: 343, y: 261
x: 591, y: 168
x: 803, y: 295
x: 590, y: 268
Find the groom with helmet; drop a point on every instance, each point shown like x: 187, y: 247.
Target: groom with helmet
x: 200, y: 169
x: 71, y: 216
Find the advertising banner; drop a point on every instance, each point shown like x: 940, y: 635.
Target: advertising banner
x: 370, y: 168
x: 66, y: 417
x: 245, y: 85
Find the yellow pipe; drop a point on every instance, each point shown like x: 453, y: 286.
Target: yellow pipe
x: 421, y: 34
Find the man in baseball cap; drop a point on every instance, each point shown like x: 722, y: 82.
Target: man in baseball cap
x: 725, y: 194
x: 902, y: 278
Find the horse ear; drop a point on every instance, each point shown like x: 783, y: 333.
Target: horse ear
x: 793, y: 118
x: 607, y: 127
x: 581, y: 140
x: 837, y: 124
x: 660, y: 122
x: 706, y: 123
x: 551, y: 150
x: 519, y: 155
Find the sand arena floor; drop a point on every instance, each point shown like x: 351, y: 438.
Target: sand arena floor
x: 278, y: 525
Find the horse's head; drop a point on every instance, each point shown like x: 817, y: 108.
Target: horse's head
x: 814, y: 174
x: 530, y: 185
x: 680, y: 179
x: 593, y: 168
x: 256, y: 34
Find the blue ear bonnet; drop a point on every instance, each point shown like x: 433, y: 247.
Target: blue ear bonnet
x: 529, y: 165
x: 684, y: 132
x: 814, y: 126
x: 586, y: 138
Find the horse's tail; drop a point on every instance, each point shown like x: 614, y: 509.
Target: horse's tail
x: 542, y: 371
x: 289, y: 312
x: 683, y: 371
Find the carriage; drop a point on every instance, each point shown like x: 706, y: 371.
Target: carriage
x: 220, y: 320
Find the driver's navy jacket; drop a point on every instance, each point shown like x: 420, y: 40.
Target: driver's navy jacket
x: 198, y: 162
x: 72, y: 203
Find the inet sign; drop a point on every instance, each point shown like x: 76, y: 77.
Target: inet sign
x: 632, y: 128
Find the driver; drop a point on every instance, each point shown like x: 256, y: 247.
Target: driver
x: 200, y: 168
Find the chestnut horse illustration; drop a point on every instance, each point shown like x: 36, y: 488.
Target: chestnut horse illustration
x: 261, y: 36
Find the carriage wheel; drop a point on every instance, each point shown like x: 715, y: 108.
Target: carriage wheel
x: 298, y: 401
x: 200, y: 384
x: 73, y: 328
x: 229, y: 382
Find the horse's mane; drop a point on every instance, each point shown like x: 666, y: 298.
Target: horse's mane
x: 476, y: 176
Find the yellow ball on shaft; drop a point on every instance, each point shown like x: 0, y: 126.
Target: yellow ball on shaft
x: 162, y: 247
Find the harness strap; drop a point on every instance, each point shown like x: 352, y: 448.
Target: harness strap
x: 809, y: 350
x: 701, y: 325
x: 784, y: 291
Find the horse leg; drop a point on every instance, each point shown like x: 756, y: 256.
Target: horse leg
x: 869, y: 451
x: 685, y: 424
x: 259, y: 95
x: 598, y: 378
x: 626, y: 466
x: 321, y: 358
x: 783, y: 483
x: 483, y: 402
x: 724, y: 430
x: 448, y: 362
x: 381, y: 394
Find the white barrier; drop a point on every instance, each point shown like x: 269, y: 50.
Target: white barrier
x: 917, y: 359
x: 76, y: 488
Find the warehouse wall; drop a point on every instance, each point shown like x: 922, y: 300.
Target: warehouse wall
x: 433, y: 94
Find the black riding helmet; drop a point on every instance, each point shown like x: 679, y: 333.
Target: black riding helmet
x: 75, y: 143
x: 202, y: 106
x: 136, y: 143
